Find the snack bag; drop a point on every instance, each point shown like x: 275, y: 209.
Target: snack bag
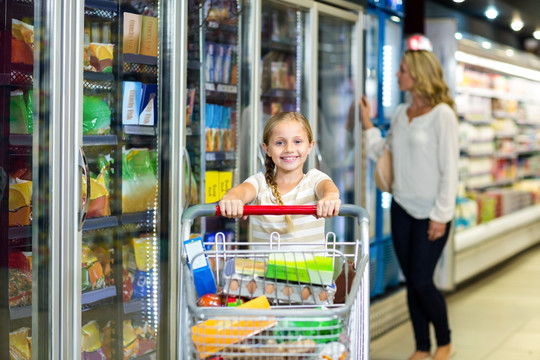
x: 22, y: 42
x: 92, y: 272
x: 139, y: 181
x: 144, y: 250
x: 101, y: 57
x: 18, y: 113
x: 19, y: 347
x: 91, y: 342
x: 20, y: 202
x: 146, y: 336
x: 99, y: 197
x: 20, y: 287
x: 131, y: 342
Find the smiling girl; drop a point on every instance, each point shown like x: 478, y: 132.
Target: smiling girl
x: 287, y: 141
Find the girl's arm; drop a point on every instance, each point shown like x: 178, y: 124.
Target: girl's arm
x: 232, y: 203
x: 329, y: 202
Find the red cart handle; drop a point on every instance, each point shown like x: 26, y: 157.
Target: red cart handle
x: 277, y: 210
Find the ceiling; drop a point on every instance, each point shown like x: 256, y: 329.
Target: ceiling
x: 528, y: 10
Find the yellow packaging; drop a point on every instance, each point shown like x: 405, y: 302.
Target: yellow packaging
x: 144, y: 253
x: 212, y: 186
x: 19, y: 348
x: 149, y: 36
x: 90, y: 340
x: 20, y: 203
x: 213, y: 335
x: 225, y: 182
x: 132, y: 33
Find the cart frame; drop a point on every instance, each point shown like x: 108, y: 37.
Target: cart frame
x: 359, y: 337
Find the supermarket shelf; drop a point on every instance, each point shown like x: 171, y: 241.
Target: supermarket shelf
x: 133, y: 306
x: 220, y: 156
x: 137, y: 218
x: 98, y: 76
x: 150, y: 356
x: 280, y: 93
x: 140, y: 130
x: 100, y: 223
x: 94, y: 296
x: 140, y: 59
x: 96, y: 140
x: 21, y: 312
x: 17, y: 232
x: 490, y: 93
x: 101, y: 4
x: 20, y: 140
x: 21, y: 9
x: 485, y: 245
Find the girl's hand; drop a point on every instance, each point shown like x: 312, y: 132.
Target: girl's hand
x: 435, y: 230
x: 364, y: 113
x: 328, y: 206
x: 233, y: 208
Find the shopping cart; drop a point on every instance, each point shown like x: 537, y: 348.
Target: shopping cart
x: 289, y: 310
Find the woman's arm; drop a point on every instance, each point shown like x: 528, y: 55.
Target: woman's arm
x: 232, y: 203
x: 329, y: 202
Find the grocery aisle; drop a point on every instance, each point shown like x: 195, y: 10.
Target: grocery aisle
x: 494, y: 317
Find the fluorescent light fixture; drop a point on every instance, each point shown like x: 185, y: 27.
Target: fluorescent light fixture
x: 486, y: 44
x: 516, y: 25
x: 458, y: 36
x: 395, y: 19
x: 536, y: 34
x: 509, y: 52
x: 509, y: 69
x: 459, y: 1
x: 491, y: 13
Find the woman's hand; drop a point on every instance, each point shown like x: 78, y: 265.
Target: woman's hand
x: 328, y: 206
x: 365, y: 110
x: 435, y: 230
x: 233, y: 208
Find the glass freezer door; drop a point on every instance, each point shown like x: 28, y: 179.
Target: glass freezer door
x: 283, y: 47
x: 337, y: 45
x: 121, y: 135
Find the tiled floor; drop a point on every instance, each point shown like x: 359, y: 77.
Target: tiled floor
x: 496, y: 317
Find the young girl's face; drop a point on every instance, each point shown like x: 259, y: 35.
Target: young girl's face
x: 289, y: 145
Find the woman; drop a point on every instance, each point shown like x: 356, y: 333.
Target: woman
x: 423, y: 139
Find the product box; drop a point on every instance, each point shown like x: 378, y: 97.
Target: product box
x: 225, y: 182
x: 149, y: 36
x: 211, y: 180
x: 131, y: 102
x: 132, y: 32
x: 302, y: 267
x: 148, y: 109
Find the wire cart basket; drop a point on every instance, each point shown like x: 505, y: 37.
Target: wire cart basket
x: 276, y: 301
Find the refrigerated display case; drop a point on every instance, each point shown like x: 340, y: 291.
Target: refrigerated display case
x: 497, y: 208
x: 213, y: 100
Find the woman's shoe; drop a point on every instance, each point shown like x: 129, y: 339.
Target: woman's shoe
x: 444, y: 352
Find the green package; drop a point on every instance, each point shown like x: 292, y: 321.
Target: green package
x: 301, y: 267
x: 96, y: 116
x: 18, y: 113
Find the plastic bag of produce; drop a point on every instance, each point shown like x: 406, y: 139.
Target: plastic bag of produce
x: 96, y: 116
x: 139, y: 181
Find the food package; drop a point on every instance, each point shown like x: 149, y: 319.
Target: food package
x: 213, y: 335
x: 130, y: 341
x: 322, y: 329
x: 91, y: 342
x: 20, y: 287
x: 144, y: 248
x: 19, y: 344
x: 139, y: 181
x: 146, y: 336
x: 143, y: 284
x: 127, y: 286
x: 92, y: 272
x: 105, y: 259
x: 101, y: 57
x: 20, y: 122
x: 20, y: 202
x: 22, y: 42
x: 99, y: 197
x: 96, y: 116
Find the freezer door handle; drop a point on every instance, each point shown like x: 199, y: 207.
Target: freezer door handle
x: 83, y: 164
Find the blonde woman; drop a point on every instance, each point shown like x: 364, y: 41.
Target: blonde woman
x: 287, y: 141
x: 423, y: 139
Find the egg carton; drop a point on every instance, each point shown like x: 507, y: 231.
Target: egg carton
x: 252, y: 286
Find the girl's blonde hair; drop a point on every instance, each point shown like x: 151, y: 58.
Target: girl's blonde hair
x: 269, y: 166
x: 428, y: 77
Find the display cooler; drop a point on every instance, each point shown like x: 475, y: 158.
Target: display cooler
x: 497, y: 210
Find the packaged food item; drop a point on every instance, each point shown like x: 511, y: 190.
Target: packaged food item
x: 101, y: 57
x: 146, y: 337
x: 92, y: 272
x: 91, y: 342
x: 19, y: 346
x: 20, y: 202
x: 139, y: 181
x: 321, y: 329
x: 20, y: 287
x: 18, y: 114
x: 22, y: 42
x: 130, y: 341
x: 143, y: 284
x: 144, y: 249
x: 127, y: 286
x: 96, y: 116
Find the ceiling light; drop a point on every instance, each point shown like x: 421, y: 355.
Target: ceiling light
x: 486, y: 44
x: 458, y: 36
x: 491, y: 13
x: 516, y: 25
x: 536, y: 34
x: 509, y: 52
x: 459, y: 1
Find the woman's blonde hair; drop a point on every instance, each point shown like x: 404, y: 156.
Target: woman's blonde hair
x: 428, y: 77
x: 269, y: 166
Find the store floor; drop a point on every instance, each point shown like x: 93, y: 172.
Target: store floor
x: 495, y: 317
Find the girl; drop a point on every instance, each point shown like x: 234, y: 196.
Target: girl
x: 287, y: 141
